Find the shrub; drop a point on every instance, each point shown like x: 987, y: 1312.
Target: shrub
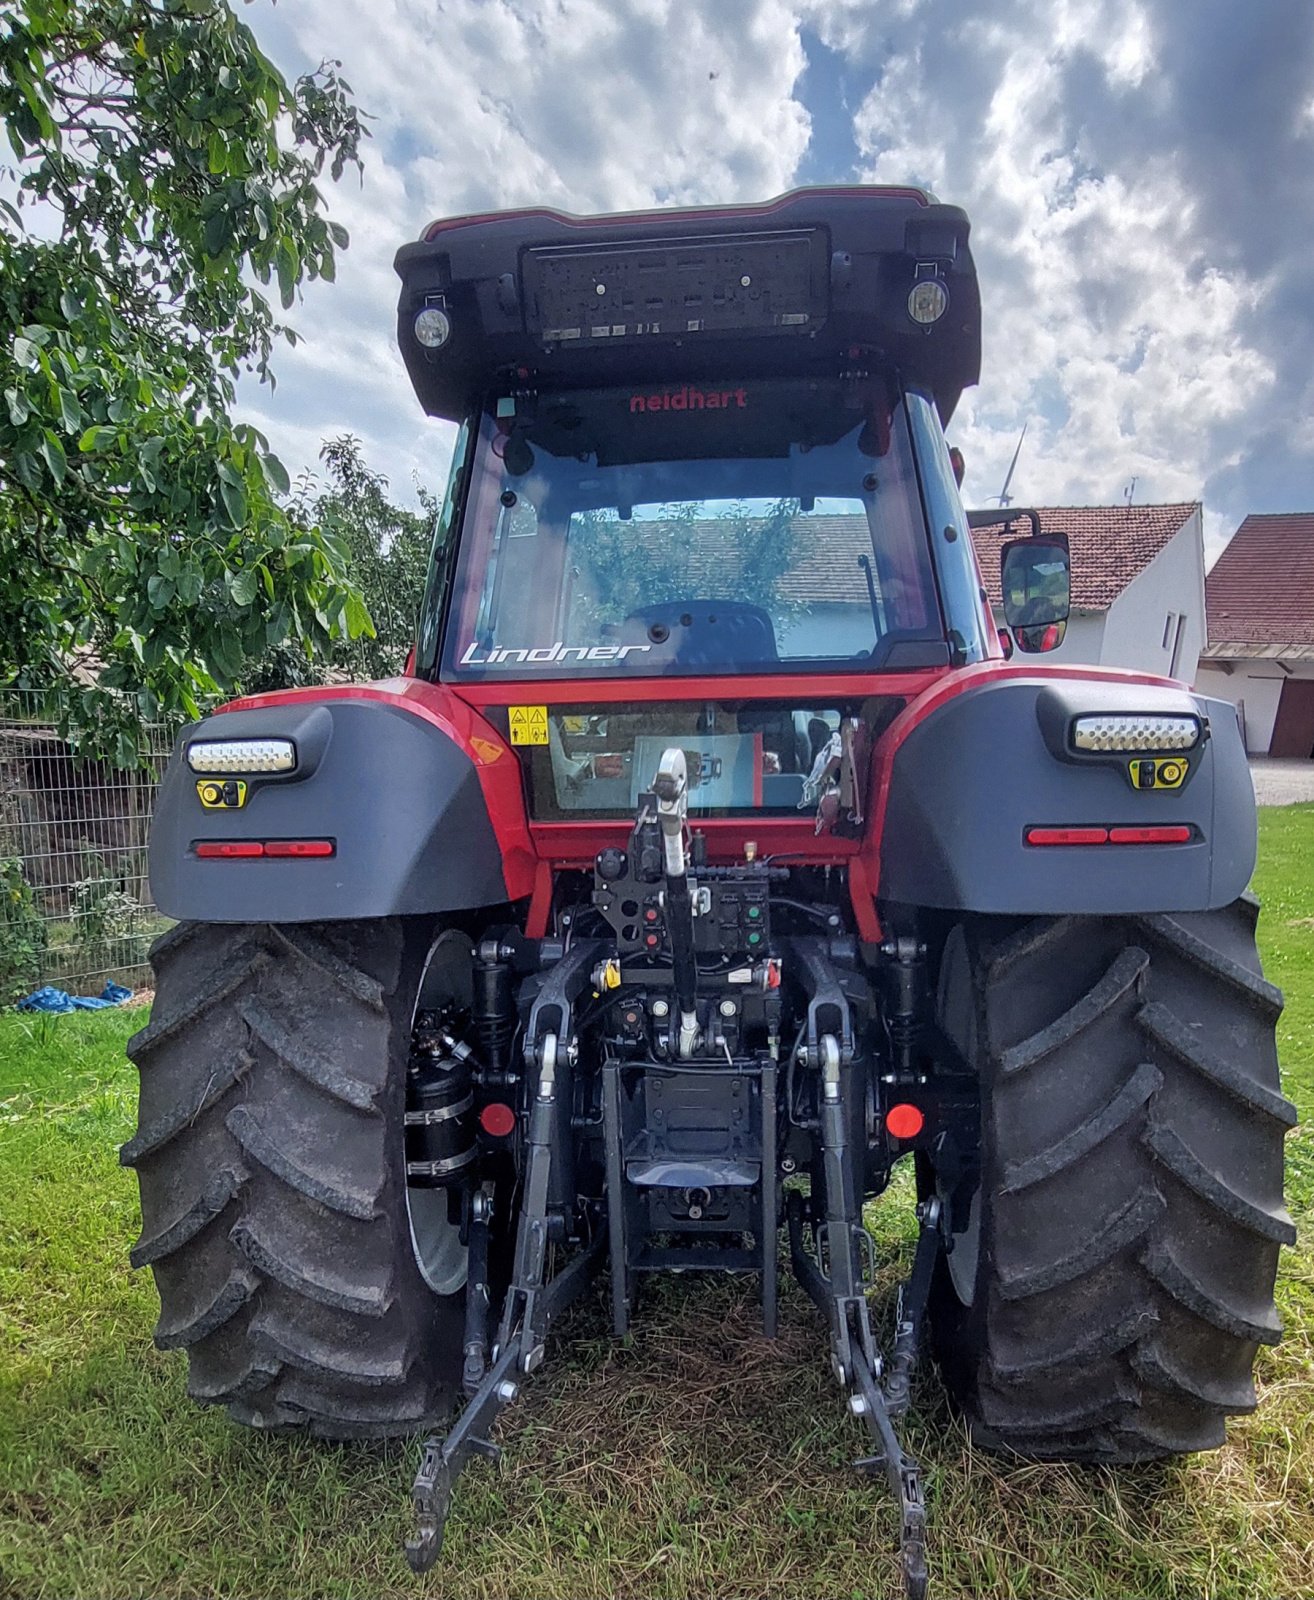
x: 109, y: 920
x: 22, y: 933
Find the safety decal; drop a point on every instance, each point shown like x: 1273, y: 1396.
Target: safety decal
x: 529, y: 724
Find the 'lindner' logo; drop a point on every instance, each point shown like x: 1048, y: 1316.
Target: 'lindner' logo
x: 547, y: 655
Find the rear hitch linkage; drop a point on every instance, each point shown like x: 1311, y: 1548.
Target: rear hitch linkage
x: 836, y: 1275
x: 836, y: 1279
x: 532, y: 1301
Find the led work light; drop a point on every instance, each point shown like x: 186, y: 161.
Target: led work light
x: 928, y: 301
x: 433, y: 327
x: 242, y: 755
x: 1133, y: 731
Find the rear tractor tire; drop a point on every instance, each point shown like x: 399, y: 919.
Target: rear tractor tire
x: 271, y: 1163
x: 1112, y: 1275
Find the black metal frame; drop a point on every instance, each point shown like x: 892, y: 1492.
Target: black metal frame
x: 835, y: 1270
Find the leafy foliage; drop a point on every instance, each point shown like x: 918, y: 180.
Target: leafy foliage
x: 740, y: 555
x: 387, y: 555
x: 22, y: 933
x: 107, y: 918
x: 161, y: 164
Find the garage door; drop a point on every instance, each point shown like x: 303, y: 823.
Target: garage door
x: 1293, y: 731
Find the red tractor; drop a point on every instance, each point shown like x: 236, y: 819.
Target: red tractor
x: 715, y: 854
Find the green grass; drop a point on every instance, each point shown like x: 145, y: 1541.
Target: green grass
x: 695, y: 1460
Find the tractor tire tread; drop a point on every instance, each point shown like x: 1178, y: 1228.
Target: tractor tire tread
x: 329, y: 1190
x: 1125, y: 970
x: 1098, y: 1127
x: 1189, y: 1293
x: 213, y: 1199
x: 295, y: 1347
x: 186, y: 1327
x: 164, y: 1128
x: 1125, y: 1227
x: 1172, y: 1151
x: 226, y: 980
x: 1255, y: 990
x: 1181, y: 1043
x: 308, y: 1063
x: 283, y: 1266
x: 1131, y: 1204
x: 270, y: 1155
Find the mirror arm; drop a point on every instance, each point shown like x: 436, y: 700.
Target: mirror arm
x: 994, y: 519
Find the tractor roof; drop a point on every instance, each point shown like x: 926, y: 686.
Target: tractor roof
x: 810, y: 284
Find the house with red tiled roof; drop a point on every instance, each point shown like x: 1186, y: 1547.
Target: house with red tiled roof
x: 1137, y: 583
x: 1259, y: 601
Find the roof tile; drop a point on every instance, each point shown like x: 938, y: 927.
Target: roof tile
x: 1110, y: 546
x: 1261, y: 589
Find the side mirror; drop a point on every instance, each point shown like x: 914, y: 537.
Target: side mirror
x: 1035, y: 578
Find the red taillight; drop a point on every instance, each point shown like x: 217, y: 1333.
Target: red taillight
x: 1174, y: 834
x: 497, y: 1119
x: 1168, y: 833
x: 252, y: 849
x: 1067, y: 835
x: 905, y: 1121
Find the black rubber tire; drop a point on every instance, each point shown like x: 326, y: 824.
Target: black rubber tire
x: 1130, y: 1201
x: 270, y: 1157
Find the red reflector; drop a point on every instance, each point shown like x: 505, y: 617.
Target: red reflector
x: 299, y: 847
x: 497, y: 1119
x: 904, y: 1121
x: 1067, y: 835
x: 228, y: 849
x: 1178, y: 834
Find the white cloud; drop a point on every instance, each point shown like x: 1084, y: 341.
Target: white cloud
x: 488, y: 103
x: 1106, y: 326
x: 1128, y: 312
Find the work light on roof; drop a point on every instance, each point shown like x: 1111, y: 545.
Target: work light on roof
x: 242, y: 755
x: 433, y: 327
x: 1135, y: 731
x: 928, y: 301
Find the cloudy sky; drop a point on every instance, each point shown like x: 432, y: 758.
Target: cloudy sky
x: 1140, y: 175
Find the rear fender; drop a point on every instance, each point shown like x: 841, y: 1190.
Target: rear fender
x: 418, y: 795
x: 966, y: 771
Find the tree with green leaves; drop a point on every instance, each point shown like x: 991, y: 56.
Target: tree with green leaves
x: 387, y: 549
x: 163, y: 172
x: 741, y: 554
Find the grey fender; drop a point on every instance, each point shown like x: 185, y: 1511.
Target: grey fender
x: 969, y: 781
x: 399, y: 800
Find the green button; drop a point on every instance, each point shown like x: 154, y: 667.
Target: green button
x: 755, y: 938
x: 754, y: 912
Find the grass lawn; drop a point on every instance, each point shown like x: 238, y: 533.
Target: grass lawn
x: 698, y: 1460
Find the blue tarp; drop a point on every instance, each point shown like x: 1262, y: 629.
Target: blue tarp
x: 48, y: 999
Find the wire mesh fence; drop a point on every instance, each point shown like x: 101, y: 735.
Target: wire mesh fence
x: 75, y: 905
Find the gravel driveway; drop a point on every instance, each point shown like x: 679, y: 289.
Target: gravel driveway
x: 1281, y: 783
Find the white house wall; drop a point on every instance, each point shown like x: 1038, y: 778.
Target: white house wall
x: 1136, y: 631
x: 1257, y: 687
x: 1083, y: 639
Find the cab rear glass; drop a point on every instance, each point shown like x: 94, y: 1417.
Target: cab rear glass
x: 690, y: 529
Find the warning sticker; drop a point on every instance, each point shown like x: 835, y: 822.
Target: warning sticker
x: 529, y: 724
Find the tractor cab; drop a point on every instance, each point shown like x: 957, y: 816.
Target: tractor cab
x: 707, y: 462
